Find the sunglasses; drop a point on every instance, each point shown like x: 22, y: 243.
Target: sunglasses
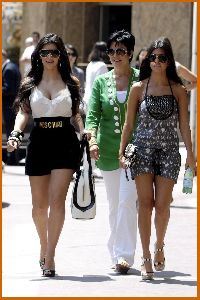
x: 53, y: 53
x: 71, y: 54
x: 161, y: 58
x: 118, y: 51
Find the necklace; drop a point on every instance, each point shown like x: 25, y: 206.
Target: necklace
x: 119, y: 108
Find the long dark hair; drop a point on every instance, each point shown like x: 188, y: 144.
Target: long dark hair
x: 162, y: 43
x: 98, y: 52
x: 34, y: 76
x: 124, y: 37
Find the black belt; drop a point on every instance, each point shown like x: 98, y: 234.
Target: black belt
x: 51, y: 122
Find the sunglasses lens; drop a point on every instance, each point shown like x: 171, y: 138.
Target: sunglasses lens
x: 70, y: 54
x: 110, y: 52
x: 121, y: 52
x: 54, y: 53
x: 118, y: 51
x: 161, y: 58
x: 152, y: 57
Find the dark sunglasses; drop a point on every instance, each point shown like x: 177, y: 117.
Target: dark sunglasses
x: 71, y: 54
x: 161, y: 57
x: 118, y: 51
x: 45, y: 53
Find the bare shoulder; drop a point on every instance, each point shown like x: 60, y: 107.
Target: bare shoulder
x: 138, y: 88
x: 178, y: 89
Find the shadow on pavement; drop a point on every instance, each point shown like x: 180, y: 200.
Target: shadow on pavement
x: 84, y: 278
x: 5, y: 204
x: 183, y: 207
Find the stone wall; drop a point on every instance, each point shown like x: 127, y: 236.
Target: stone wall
x: 151, y: 20
x: 78, y: 24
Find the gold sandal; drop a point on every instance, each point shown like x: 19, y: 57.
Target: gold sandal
x: 159, y: 265
x: 146, y: 275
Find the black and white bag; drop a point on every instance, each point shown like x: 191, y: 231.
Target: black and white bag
x: 83, y: 202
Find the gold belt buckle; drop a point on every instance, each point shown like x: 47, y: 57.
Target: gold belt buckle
x: 51, y: 124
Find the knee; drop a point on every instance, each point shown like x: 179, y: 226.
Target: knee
x: 146, y: 204
x: 57, y: 203
x: 161, y: 210
x: 39, y: 210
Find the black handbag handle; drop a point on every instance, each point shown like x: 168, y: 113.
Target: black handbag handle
x: 84, y: 145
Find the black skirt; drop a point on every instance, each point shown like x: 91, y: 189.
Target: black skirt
x: 53, y: 144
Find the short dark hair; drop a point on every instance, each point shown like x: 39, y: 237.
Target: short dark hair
x: 165, y: 44
x: 36, y: 33
x: 98, y: 52
x: 124, y: 37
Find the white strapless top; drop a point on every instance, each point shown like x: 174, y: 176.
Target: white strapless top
x: 43, y: 107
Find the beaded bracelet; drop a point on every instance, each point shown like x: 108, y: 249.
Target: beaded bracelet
x: 16, y: 136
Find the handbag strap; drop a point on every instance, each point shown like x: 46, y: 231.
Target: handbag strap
x: 85, y: 146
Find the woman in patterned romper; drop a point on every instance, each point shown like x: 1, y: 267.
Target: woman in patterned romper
x: 160, y: 101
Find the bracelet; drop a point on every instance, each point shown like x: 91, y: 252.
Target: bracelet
x: 92, y: 141
x: 17, y: 136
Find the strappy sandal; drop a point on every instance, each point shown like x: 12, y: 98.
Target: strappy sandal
x: 42, y: 262
x: 49, y: 273
x: 159, y: 265
x: 122, y: 266
x: 146, y: 275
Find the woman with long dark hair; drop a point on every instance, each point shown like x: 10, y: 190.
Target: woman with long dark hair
x: 51, y: 95
x: 160, y: 100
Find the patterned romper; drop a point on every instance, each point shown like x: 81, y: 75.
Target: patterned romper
x: 156, y: 138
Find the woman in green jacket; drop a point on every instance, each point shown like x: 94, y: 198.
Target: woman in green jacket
x: 105, y: 120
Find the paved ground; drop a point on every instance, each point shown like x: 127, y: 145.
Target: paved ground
x: 82, y: 260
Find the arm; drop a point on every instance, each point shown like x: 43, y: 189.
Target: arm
x: 132, y: 106
x: 187, y: 75
x: 20, y: 123
x: 93, y: 118
x: 184, y: 126
x: 77, y: 122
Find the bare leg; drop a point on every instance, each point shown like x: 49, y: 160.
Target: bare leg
x: 163, y: 197
x: 39, y: 188
x: 144, y: 184
x: 59, y: 184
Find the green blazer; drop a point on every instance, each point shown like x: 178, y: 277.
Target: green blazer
x: 107, y: 115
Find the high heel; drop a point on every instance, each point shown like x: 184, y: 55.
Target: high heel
x: 42, y: 262
x: 49, y: 273
x: 159, y: 265
x: 146, y: 275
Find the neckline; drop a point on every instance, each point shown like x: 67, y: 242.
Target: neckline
x: 47, y: 97
x: 128, y: 88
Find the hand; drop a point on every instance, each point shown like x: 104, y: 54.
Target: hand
x: 190, y: 162
x: 94, y: 152
x: 122, y: 162
x: 11, y: 145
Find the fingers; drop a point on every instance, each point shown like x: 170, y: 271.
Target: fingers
x: 94, y: 152
x: 11, y: 146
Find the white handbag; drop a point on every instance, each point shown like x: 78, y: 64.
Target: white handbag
x: 83, y: 204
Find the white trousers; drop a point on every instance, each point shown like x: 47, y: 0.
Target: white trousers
x: 122, y: 197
